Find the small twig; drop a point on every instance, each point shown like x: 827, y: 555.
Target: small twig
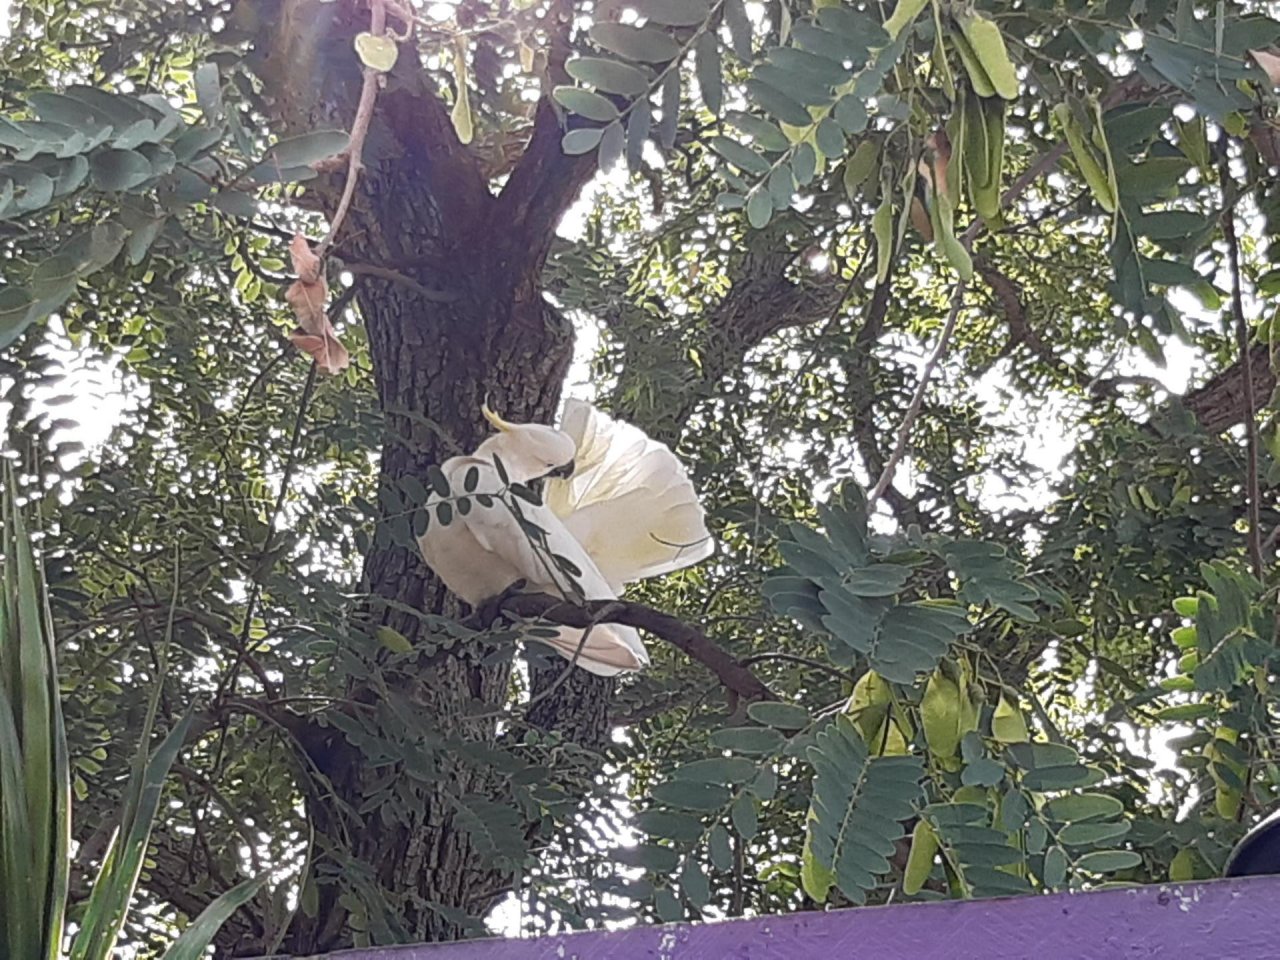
x: 395, y: 276
x: 1253, y: 488
x: 359, y: 130
x: 804, y: 661
x: 732, y: 673
x: 913, y: 409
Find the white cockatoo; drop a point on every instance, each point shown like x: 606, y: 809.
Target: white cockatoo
x: 617, y: 505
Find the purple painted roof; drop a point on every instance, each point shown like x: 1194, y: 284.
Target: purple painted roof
x: 1235, y: 919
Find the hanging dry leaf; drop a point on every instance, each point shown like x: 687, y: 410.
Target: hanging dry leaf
x: 305, y: 263
x: 308, y: 301
x: 920, y: 220
x: 1270, y: 64
x: 939, y: 145
x: 307, y: 296
x: 327, y: 351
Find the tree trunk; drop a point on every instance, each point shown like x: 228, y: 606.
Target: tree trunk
x: 424, y: 209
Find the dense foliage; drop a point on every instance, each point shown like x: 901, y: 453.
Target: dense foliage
x: 866, y: 267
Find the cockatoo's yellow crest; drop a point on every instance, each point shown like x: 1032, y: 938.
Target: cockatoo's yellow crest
x: 497, y: 422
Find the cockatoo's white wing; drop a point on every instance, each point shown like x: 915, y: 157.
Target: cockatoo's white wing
x: 630, y: 502
x: 483, y: 552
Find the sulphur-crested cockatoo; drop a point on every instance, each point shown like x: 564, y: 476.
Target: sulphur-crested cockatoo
x: 617, y: 505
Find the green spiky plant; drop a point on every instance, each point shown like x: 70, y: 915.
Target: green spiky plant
x: 35, y: 797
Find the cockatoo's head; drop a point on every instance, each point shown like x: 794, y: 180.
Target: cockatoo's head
x: 529, y: 451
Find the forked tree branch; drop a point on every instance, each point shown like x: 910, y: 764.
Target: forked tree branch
x: 731, y: 672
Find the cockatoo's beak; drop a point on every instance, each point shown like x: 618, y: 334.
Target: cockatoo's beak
x: 493, y: 418
x: 563, y: 472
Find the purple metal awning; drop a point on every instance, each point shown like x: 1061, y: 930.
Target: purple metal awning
x: 1220, y: 920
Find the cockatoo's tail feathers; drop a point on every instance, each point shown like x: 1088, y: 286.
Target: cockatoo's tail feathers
x: 609, y: 649
x: 630, y: 502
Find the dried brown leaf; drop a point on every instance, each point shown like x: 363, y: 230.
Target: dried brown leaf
x: 1270, y: 64
x: 327, y: 350
x: 305, y: 263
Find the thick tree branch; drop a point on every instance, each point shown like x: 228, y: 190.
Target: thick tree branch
x: 545, y: 180
x: 1223, y: 402
x: 542, y: 186
x: 733, y: 675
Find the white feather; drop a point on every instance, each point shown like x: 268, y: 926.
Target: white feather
x: 480, y: 554
x: 630, y: 502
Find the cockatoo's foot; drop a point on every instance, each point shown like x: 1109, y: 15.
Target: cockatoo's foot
x: 489, y: 611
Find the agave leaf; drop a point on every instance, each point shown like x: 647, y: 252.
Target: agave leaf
x: 195, y: 940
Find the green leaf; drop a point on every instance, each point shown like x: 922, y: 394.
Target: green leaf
x: 612, y: 142
x: 859, y: 804
x: 1078, y: 807
x: 744, y: 158
x: 983, y: 772
x: 851, y: 113
x: 719, y: 848
x: 779, y: 104
x: 764, y: 135
x: 305, y: 149
x: 740, y: 31
x: 209, y: 91
x: 784, y: 716
x: 118, y: 170
x: 830, y: 139
x: 580, y: 141
x: 724, y: 770
x: 694, y: 884
x: 34, y: 766
x: 644, y: 44
x: 69, y: 111
x: 610, y: 76
x: 707, y: 66
x: 750, y: 740
x: 194, y: 942
x: 141, y: 238
x: 1108, y: 861
x: 196, y: 141
x: 675, y: 13
x: 1087, y: 834
x: 639, y: 122
x: 585, y: 103
x: 1055, y: 867
x: 667, y: 905
x: 691, y: 795
x: 113, y: 890
x: 879, y: 580
x: 670, y: 110
x: 743, y: 816
x: 649, y: 856
x: 15, y: 303
x: 393, y: 640
x: 759, y: 208
x: 438, y: 481
x: 813, y: 67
